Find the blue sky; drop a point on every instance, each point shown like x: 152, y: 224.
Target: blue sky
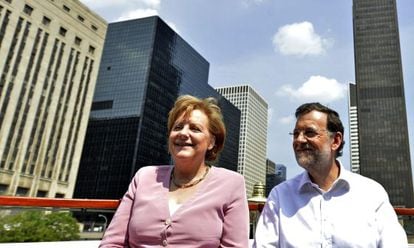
x: 290, y: 52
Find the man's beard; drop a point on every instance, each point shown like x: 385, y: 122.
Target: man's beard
x: 316, y: 159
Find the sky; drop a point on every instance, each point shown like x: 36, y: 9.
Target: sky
x: 289, y: 52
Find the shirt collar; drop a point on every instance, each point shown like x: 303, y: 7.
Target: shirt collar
x: 343, y: 179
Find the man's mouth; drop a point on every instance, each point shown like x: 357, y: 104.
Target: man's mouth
x: 304, y: 149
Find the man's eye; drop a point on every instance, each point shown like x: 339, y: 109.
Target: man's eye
x: 310, y: 133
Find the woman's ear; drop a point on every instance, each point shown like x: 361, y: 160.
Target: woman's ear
x: 212, y: 142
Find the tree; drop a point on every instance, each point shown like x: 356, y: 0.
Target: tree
x: 36, y: 226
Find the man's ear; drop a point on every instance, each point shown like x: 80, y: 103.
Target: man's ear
x: 337, y: 141
x: 212, y: 142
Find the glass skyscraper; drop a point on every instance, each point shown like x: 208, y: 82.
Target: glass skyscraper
x: 145, y: 66
x: 384, y: 153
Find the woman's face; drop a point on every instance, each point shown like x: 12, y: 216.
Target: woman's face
x: 190, y: 137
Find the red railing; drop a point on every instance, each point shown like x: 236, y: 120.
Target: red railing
x: 18, y: 201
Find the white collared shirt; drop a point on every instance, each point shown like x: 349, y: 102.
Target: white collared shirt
x: 355, y: 212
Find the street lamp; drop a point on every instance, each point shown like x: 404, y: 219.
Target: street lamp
x: 106, y: 221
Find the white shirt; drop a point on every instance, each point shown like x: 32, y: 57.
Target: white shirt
x: 355, y: 212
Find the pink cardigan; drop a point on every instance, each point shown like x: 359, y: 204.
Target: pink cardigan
x: 216, y: 215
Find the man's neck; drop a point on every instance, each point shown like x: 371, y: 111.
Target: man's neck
x: 325, y: 177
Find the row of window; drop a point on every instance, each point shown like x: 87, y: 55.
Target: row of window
x: 22, y: 191
x: 62, y: 31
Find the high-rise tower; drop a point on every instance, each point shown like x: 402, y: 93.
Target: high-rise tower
x: 382, y: 122
x: 253, y: 132
x: 49, y: 59
x: 145, y: 66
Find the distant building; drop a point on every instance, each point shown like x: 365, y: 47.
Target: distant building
x: 253, y: 132
x: 384, y: 151
x: 270, y: 175
x: 145, y: 66
x: 280, y: 173
x: 50, y: 53
x: 275, y: 176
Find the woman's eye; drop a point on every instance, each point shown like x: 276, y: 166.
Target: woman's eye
x: 195, y: 129
x: 177, y: 127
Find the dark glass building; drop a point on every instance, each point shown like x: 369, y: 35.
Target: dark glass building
x: 145, y: 66
x: 382, y: 122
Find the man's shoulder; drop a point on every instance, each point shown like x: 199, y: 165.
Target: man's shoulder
x: 361, y: 182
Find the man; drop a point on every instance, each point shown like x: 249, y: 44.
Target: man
x: 326, y: 206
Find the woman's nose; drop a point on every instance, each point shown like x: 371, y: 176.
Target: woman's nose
x: 184, y: 132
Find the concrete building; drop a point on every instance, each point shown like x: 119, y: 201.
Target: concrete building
x: 145, y: 66
x: 384, y: 152
x: 253, y: 132
x: 50, y: 53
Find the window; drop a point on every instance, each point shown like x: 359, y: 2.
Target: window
x: 62, y: 31
x: 46, y: 21
x: 22, y: 191
x: 3, y: 188
x: 66, y: 8
x: 59, y: 195
x: 80, y: 18
x: 91, y: 49
x: 78, y: 40
x: 28, y: 9
x: 94, y: 27
x: 41, y: 193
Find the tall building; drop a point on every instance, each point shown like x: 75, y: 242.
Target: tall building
x: 353, y: 129
x: 50, y: 52
x: 382, y: 122
x: 145, y: 66
x: 253, y: 132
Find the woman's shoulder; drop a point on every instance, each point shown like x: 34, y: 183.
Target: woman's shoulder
x: 153, y: 170
x: 221, y: 172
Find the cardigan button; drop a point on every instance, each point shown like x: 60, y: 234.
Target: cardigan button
x: 164, y: 242
x: 168, y: 222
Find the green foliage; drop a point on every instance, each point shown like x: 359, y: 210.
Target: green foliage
x: 36, y: 226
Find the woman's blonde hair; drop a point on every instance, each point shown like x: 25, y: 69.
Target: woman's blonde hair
x: 186, y: 104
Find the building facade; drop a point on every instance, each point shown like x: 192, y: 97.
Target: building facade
x: 353, y: 129
x: 50, y: 53
x: 145, y: 66
x: 384, y: 153
x: 253, y: 132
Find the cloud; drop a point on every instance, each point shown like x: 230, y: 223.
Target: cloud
x: 138, y: 13
x: 269, y: 116
x: 299, y: 39
x: 173, y: 27
x: 287, y: 119
x: 317, y: 88
x: 247, y: 3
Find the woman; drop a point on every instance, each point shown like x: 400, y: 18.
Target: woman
x: 189, y: 204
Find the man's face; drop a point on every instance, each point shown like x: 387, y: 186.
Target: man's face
x: 312, y: 142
